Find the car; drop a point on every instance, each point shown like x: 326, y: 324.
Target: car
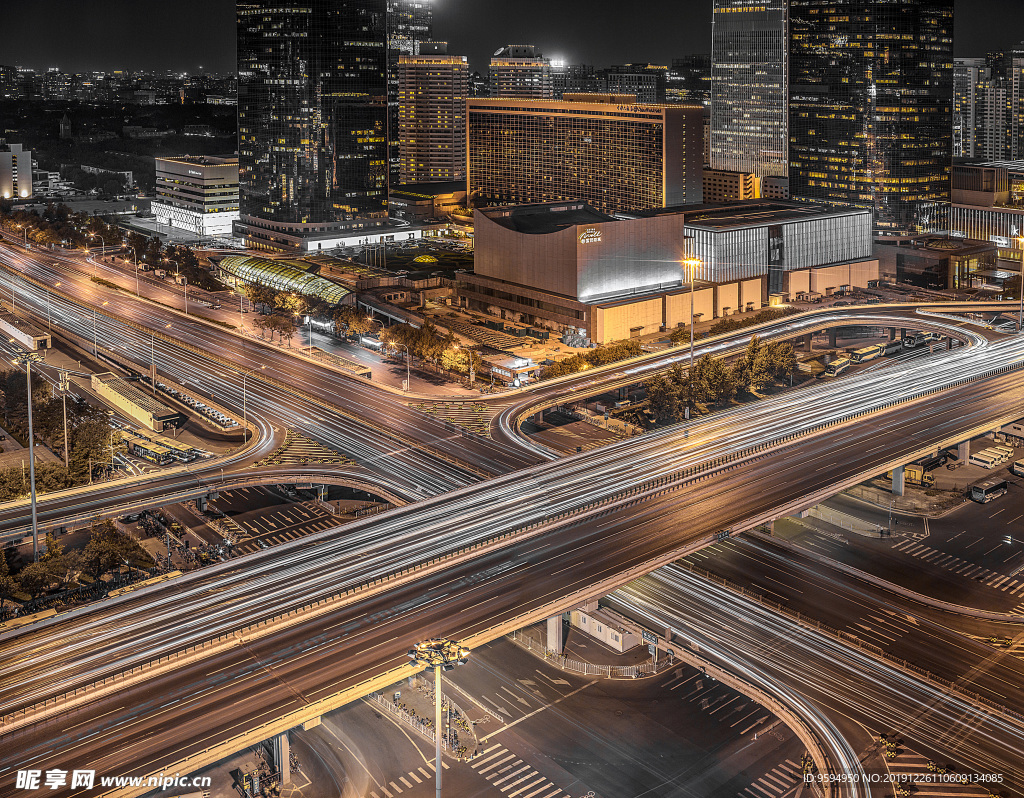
x: 262, y: 544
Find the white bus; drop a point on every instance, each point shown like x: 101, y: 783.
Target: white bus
x: 1003, y: 449
x: 893, y: 347
x: 867, y: 353
x: 999, y: 455
x: 984, y: 460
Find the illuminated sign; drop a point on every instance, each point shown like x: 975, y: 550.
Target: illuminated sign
x: 1000, y: 241
x: 590, y: 236
x: 193, y: 172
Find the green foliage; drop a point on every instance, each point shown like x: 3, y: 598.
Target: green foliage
x: 714, y: 383
x: 108, y: 549
x: 601, y: 356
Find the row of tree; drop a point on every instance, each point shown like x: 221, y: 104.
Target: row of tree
x: 151, y: 251
x: 58, y: 224
x: 681, y: 335
x: 713, y: 383
x: 59, y: 568
x: 89, y: 434
x: 429, y: 344
x: 600, y: 356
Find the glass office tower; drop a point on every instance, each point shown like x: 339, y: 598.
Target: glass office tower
x: 314, y: 113
x: 748, y: 87
x: 870, y: 107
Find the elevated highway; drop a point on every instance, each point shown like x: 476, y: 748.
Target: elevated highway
x: 248, y: 648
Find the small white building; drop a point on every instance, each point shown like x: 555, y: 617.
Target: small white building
x: 603, y: 626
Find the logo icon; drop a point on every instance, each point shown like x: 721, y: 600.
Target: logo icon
x: 590, y: 236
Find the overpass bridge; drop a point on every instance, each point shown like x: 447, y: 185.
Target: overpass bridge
x: 272, y: 642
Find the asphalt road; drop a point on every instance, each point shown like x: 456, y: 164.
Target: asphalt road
x: 839, y: 681
x: 320, y: 655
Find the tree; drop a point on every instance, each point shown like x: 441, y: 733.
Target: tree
x: 35, y: 578
x: 54, y: 548
x: 7, y: 584
x: 109, y: 549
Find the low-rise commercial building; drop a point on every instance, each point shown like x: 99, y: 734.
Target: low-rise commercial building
x: 569, y: 267
x: 939, y: 262
x: 139, y: 405
x: 198, y: 194
x: 425, y: 202
x: 988, y: 205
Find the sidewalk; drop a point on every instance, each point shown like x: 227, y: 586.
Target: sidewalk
x: 412, y: 701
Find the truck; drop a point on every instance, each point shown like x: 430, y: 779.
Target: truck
x: 161, y: 273
x: 915, y: 475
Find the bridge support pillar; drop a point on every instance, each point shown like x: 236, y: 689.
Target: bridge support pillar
x: 311, y: 724
x: 538, y: 417
x: 963, y: 451
x: 623, y: 392
x: 892, y: 333
x: 282, y: 758
x: 201, y: 504
x: 832, y: 337
x: 949, y: 342
x: 556, y: 634
x: 807, y: 341
x: 897, y: 481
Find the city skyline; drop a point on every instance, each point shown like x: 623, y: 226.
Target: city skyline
x: 471, y: 29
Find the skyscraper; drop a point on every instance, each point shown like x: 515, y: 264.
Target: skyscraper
x: 432, y: 91
x: 522, y: 72
x: 409, y: 23
x: 748, y: 87
x: 988, y: 109
x: 317, y: 114
x: 870, y: 108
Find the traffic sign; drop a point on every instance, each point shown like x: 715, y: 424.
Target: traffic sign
x: 650, y: 637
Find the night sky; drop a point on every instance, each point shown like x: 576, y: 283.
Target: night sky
x: 82, y: 35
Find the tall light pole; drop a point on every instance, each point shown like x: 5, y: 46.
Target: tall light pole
x: 408, y: 379
x: 438, y: 654
x: 245, y: 420
x: 64, y: 386
x: 26, y: 360
x: 692, y: 264
x: 1020, y: 319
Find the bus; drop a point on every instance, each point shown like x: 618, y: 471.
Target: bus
x: 1017, y: 469
x: 867, y: 353
x: 984, y: 460
x: 837, y: 367
x: 148, y: 450
x: 920, y: 338
x: 987, y: 491
x: 1006, y: 451
x: 179, y: 451
x: 893, y: 347
x: 999, y: 455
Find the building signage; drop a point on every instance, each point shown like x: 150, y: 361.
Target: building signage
x: 650, y: 637
x: 194, y: 172
x: 1000, y: 241
x: 591, y: 235
x: 631, y: 109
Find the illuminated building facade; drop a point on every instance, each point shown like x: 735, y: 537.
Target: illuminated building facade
x: 870, y: 107
x: 313, y: 117
x: 748, y: 87
x: 15, y: 171
x: 432, y: 92
x: 410, y: 24
x: 605, y: 150
x: 198, y: 194
x: 521, y: 71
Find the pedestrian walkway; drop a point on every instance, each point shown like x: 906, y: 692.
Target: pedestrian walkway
x: 408, y: 781
x: 961, y: 567
x: 909, y: 768
x: 512, y: 776
x: 779, y: 781
x: 299, y: 450
x: 474, y: 416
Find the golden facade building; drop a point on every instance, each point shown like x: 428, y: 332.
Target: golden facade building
x: 432, y: 91
x: 606, y: 150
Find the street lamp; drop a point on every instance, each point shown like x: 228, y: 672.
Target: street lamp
x: 152, y: 358
x: 693, y: 264
x: 408, y: 379
x: 438, y: 654
x: 27, y: 359
x: 245, y: 422
x: 1020, y: 319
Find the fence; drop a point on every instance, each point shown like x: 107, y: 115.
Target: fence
x: 524, y: 638
x: 424, y: 728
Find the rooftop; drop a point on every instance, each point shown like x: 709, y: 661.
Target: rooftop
x: 753, y: 213
x: 427, y: 190
x: 542, y: 218
x: 201, y: 160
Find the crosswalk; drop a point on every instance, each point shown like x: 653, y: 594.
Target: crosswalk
x: 512, y: 776
x: 474, y: 416
x: 407, y: 782
x: 914, y: 767
x: 721, y: 703
x: 779, y: 781
x: 962, y: 567
x: 284, y: 537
